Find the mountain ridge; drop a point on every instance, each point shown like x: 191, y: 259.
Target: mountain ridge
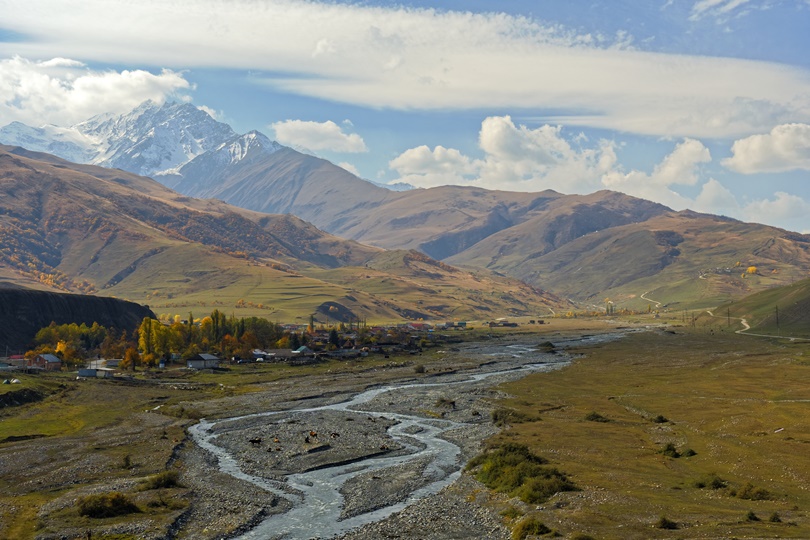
x: 583, y: 246
x: 89, y: 229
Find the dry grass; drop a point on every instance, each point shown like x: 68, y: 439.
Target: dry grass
x: 739, y: 403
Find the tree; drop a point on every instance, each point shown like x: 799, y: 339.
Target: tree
x: 131, y: 359
x: 334, y: 338
x: 145, y: 335
x: 295, y: 341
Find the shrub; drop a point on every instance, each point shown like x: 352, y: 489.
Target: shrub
x: 751, y: 493
x: 419, y: 368
x: 660, y: 419
x: 665, y: 523
x: 712, y: 482
x: 515, y: 470
x: 689, y: 453
x: 528, y: 526
x: 670, y: 451
x: 775, y: 518
x: 595, y: 417
x: 503, y: 417
x: 751, y: 516
x: 511, y: 513
x: 165, y: 479
x: 106, y: 505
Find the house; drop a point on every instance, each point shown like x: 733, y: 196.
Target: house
x: 203, y: 361
x: 48, y: 362
x: 17, y: 360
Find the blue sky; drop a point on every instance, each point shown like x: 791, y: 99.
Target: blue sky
x: 701, y: 104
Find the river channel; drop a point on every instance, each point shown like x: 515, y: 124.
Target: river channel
x: 403, y: 436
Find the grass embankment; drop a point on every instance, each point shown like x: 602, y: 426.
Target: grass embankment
x: 733, y: 409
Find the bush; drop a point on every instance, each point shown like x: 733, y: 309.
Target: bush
x: 595, y: 417
x: 751, y: 516
x: 419, y: 368
x: 665, y: 523
x: 106, y: 505
x: 712, y: 482
x: 504, y: 417
x: 165, y: 479
x: 511, y: 513
x: 515, y: 470
x: 689, y: 453
x: 775, y: 518
x: 751, y: 493
x: 670, y: 451
x: 528, y: 526
x: 660, y: 419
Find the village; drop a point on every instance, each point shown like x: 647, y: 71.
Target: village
x: 306, y: 344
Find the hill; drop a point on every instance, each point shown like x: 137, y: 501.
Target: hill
x: 594, y: 248
x: 24, y: 311
x: 781, y: 311
x: 90, y: 229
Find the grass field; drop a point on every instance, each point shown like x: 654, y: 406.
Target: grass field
x: 741, y: 404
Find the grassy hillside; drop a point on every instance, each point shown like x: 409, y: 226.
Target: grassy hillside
x: 733, y: 409
x: 94, y: 230
x: 789, y: 303
x: 683, y: 260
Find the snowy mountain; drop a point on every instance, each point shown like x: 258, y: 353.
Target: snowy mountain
x: 151, y: 139
x: 67, y: 143
x: 203, y: 175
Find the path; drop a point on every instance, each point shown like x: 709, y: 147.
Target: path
x: 747, y: 327
x: 657, y: 304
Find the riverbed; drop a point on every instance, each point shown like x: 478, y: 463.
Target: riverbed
x: 348, y: 463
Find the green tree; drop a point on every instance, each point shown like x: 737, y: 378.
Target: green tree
x: 334, y: 338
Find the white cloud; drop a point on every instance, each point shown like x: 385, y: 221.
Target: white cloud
x: 318, y: 136
x: 349, y: 167
x: 62, y: 91
x: 516, y: 157
x: 785, y: 148
x: 211, y: 112
x: 716, y: 8
x: 406, y: 58
x: 789, y: 209
x: 681, y: 167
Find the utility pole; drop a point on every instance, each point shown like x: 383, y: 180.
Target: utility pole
x: 777, y: 320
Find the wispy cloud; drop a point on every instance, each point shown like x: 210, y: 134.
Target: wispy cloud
x: 408, y: 58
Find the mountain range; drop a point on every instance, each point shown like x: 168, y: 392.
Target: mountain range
x: 589, y: 248
x: 90, y: 229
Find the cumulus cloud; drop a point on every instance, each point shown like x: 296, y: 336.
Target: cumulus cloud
x: 318, y: 136
x: 349, y: 167
x: 406, y: 58
x: 681, y: 167
x: 515, y: 157
x: 785, y: 148
x: 63, y: 91
x: 792, y: 211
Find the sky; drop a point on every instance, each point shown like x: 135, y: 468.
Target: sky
x: 699, y: 104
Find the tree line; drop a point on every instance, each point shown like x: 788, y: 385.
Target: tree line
x: 153, y: 340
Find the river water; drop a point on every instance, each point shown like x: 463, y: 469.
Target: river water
x: 315, y: 495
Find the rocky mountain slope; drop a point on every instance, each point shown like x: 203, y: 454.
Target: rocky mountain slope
x: 90, y: 229
x: 588, y: 247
